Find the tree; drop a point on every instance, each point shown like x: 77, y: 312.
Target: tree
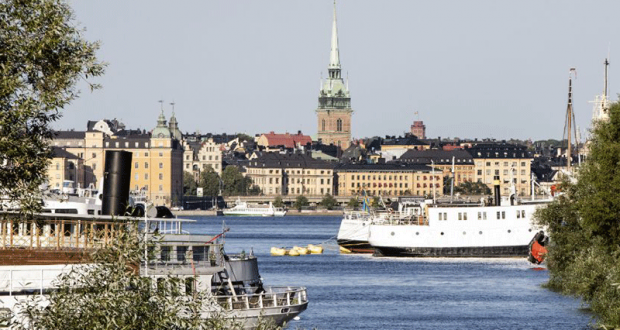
x: 376, y: 201
x: 353, y: 203
x: 329, y: 201
x: 233, y: 181
x: 210, y: 182
x: 277, y: 202
x: 43, y: 57
x: 584, y: 252
x: 472, y: 188
x: 189, y: 184
x: 300, y: 202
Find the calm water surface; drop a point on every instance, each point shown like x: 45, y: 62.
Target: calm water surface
x: 363, y: 292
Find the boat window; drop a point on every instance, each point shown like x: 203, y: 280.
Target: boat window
x: 484, y: 215
x: 199, y: 253
x: 518, y: 214
x: 503, y: 214
x: 67, y: 211
x: 479, y: 215
x: 445, y: 216
x: 181, y: 253
x: 460, y: 216
x: 523, y: 214
x: 464, y: 215
x: 440, y: 216
x: 165, y: 253
x: 498, y: 214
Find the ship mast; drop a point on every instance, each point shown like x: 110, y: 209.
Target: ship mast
x: 570, y: 119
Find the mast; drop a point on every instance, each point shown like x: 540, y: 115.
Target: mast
x: 570, y: 118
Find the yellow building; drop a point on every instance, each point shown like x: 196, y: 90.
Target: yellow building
x: 65, y: 168
x: 442, y: 161
x: 291, y: 174
x: 390, y: 179
x: 157, y: 169
x: 509, y: 162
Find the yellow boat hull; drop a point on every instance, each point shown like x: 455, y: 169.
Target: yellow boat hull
x: 278, y: 252
x: 315, y: 249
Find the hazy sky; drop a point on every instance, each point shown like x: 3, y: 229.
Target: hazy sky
x: 470, y: 69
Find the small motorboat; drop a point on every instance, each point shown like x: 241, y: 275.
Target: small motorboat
x: 293, y: 252
x: 315, y: 249
x: 278, y: 252
x: 301, y: 249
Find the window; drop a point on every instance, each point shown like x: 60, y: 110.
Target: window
x: 479, y: 215
x: 161, y: 165
x: 136, y: 165
x: 94, y: 155
x: 146, y: 165
x: 518, y: 214
x: 161, y: 154
x: 339, y: 125
x: 460, y: 216
x: 498, y: 214
x: 161, y: 187
x: 503, y: 214
x: 445, y: 215
x: 146, y: 176
x: 161, y: 176
x: 136, y: 176
x: 523, y: 214
x: 479, y: 172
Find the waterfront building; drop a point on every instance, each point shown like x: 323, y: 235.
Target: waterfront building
x: 65, y: 166
x: 388, y: 179
x: 200, y: 156
x: 291, y: 174
x: 334, y: 110
x: 508, y: 161
x: 157, y: 169
x: 393, y: 147
x: 441, y: 160
x: 418, y: 129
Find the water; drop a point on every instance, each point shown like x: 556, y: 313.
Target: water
x: 364, y: 292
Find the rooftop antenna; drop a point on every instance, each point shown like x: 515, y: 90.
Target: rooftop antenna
x: 570, y: 118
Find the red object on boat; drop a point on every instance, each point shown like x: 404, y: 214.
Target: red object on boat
x: 538, y: 251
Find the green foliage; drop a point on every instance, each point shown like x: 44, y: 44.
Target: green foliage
x: 43, y: 57
x: 446, y: 184
x: 584, y: 254
x: 189, y: 184
x: 300, y: 202
x: 111, y: 294
x: 210, y: 182
x: 329, y: 202
x: 236, y: 184
x: 244, y: 137
x: 277, y: 202
x: 353, y: 203
x: 471, y: 188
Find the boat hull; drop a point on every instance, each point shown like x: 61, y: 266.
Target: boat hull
x: 356, y: 246
x: 463, y: 252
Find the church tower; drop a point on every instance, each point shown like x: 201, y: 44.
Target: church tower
x: 334, y: 111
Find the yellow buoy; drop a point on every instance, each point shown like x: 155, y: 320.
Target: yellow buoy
x: 275, y: 251
x: 315, y: 249
x: 344, y: 250
x: 301, y: 250
x: 293, y: 252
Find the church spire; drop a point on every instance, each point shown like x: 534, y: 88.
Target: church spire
x: 334, y: 55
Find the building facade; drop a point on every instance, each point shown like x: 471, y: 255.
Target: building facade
x: 291, y: 174
x: 334, y: 110
x: 509, y: 162
x: 418, y: 129
x: 65, y: 166
x: 157, y: 169
x: 441, y: 160
x: 202, y: 156
x: 390, y: 179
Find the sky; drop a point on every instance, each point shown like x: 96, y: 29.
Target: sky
x: 470, y: 69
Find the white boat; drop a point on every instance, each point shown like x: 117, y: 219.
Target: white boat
x: 244, y: 209
x: 355, y: 225
x: 459, y: 230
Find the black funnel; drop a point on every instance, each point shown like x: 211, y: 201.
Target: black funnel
x: 116, y: 177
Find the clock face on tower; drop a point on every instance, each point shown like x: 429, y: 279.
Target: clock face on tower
x: 160, y: 135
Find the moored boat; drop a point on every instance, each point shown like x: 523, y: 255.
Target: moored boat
x: 244, y: 209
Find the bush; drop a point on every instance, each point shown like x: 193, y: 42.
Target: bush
x: 329, y: 202
x: 300, y: 202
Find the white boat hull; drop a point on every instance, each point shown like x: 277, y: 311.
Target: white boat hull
x: 500, y: 235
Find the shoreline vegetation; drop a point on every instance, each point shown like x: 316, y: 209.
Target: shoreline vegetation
x: 584, y: 251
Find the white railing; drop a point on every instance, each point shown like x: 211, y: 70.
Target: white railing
x: 272, y: 297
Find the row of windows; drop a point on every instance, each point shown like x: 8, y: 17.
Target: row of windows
x: 505, y: 164
x: 481, y: 215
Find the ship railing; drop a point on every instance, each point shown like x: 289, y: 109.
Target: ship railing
x: 271, y: 297
x: 28, y: 281
x: 413, y: 220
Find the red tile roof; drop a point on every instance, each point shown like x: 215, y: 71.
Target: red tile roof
x: 287, y: 140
